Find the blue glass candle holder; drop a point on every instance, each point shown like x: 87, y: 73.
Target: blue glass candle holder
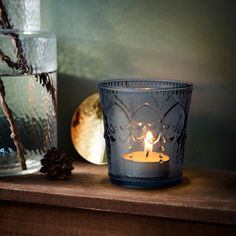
x: 145, y: 130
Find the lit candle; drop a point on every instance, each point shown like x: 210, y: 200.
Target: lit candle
x: 148, y: 143
x: 145, y: 126
x: 147, y: 155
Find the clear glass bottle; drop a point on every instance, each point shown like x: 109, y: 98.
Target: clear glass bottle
x: 28, y: 64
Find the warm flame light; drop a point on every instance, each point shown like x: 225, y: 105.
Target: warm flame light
x: 148, y: 155
x: 148, y: 142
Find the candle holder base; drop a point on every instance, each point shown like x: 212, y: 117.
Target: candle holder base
x: 144, y: 183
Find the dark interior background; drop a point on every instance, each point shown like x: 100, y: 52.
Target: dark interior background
x: 183, y: 40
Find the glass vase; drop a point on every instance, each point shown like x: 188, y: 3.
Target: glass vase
x: 28, y: 88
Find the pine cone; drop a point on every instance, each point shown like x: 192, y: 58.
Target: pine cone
x: 56, y: 164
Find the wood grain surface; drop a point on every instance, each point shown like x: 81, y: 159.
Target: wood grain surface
x: 203, y: 196
x: 41, y: 220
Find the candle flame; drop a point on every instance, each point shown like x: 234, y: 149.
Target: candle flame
x: 148, y: 143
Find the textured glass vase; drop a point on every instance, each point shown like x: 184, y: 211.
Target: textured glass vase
x: 145, y: 130
x: 28, y: 65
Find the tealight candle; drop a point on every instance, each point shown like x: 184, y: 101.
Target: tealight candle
x: 147, y: 155
x: 145, y: 130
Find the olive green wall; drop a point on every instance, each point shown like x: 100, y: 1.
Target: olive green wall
x: 172, y: 39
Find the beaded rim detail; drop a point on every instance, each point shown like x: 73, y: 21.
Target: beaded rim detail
x: 142, y: 85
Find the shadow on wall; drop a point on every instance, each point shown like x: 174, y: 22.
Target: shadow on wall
x: 211, y: 128
x: 210, y: 144
x: 71, y: 92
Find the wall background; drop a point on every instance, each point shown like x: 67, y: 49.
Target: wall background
x: 172, y: 39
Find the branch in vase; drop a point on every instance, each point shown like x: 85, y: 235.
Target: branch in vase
x: 14, y: 132
x: 21, y: 62
x: 45, y: 81
x: 4, y: 20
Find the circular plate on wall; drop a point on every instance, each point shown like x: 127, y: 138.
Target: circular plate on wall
x: 87, y: 130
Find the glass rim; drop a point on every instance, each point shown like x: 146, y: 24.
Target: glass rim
x: 124, y: 85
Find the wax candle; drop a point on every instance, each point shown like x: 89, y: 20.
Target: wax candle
x: 147, y: 155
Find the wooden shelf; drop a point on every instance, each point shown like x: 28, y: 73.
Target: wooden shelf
x: 204, y: 202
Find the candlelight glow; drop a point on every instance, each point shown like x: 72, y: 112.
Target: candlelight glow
x: 148, y: 143
x: 148, y: 155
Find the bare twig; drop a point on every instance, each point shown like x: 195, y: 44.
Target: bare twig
x: 21, y: 59
x: 14, y: 132
x: 21, y: 63
x: 25, y: 68
x: 45, y: 81
x: 7, y: 60
x: 4, y: 21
